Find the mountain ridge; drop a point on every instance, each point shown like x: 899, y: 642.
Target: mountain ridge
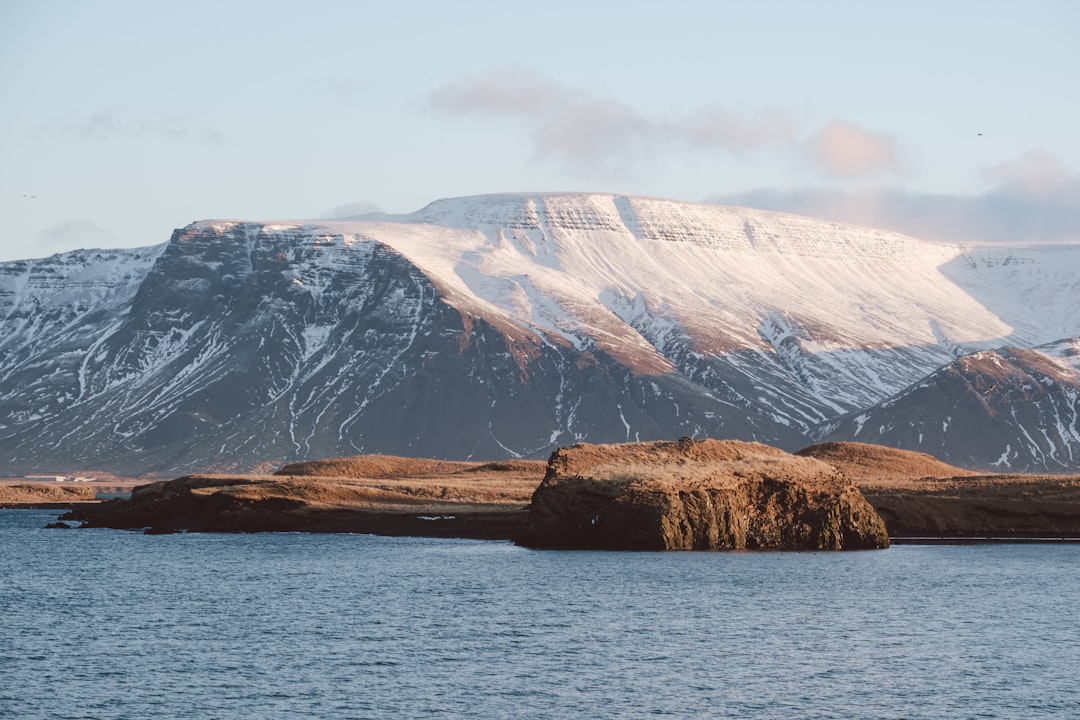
x: 501, y: 326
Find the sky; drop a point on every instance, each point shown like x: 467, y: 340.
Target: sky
x: 950, y: 120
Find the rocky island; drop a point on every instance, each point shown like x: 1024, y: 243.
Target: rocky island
x: 706, y: 495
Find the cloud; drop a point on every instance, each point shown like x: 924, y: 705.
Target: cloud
x: 72, y: 234
x: 1036, y: 173
x: 111, y: 123
x: 847, y: 151
x: 360, y: 207
x: 595, y: 134
x: 1033, y: 199
x: 737, y: 134
x: 505, y: 92
x: 341, y: 91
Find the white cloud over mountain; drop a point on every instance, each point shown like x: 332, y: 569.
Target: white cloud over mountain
x: 1034, y: 198
x: 591, y: 134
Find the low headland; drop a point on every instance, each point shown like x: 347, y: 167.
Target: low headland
x: 44, y: 495
x: 922, y: 499
x: 21, y: 492
x: 684, y: 494
x: 364, y: 494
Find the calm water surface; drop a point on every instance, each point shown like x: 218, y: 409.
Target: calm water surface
x: 114, y: 624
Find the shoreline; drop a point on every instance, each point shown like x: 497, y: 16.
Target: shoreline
x: 495, y: 525
x: 919, y: 499
x: 48, y: 505
x: 499, y: 526
x: 985, y: 540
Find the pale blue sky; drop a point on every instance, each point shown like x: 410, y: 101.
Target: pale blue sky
x: 128, y: 119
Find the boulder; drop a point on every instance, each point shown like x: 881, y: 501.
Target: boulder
x: 704, y: 495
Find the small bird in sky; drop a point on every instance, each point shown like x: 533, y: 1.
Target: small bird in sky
x: 979, y: 134
x: 30, y: 197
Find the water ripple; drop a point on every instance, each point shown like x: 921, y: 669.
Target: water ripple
x: 109, y: 624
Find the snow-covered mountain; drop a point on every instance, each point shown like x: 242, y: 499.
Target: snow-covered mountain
x: 1023, y: 403
x: 498, y: 326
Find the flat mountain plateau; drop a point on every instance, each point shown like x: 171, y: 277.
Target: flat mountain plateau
x: 914, y: 494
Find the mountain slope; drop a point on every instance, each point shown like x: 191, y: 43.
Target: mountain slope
x: 1009, y: 409
x: 491, y: 327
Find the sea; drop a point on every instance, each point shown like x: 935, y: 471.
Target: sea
x: 116, y: 624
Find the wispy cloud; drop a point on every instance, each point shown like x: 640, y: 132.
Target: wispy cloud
x: 592, y: 134
x: 341, y: 91
x: 505, y: 92
x: 848, y: 151
x: 352, y: 209
x: 71, y: 234
x: 1035, y: 173
x: 736, y: 133
x: 1032, y: 199
x: 112, y: 123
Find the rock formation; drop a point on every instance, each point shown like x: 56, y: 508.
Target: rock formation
x: 702, y: 495
x: 922, y: 498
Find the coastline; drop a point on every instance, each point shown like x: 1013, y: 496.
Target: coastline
x: 921, y: 500
x: 984, y: 540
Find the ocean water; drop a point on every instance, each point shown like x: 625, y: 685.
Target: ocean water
x: 115, y: 624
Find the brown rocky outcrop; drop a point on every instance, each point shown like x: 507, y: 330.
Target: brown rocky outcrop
x: 704, y: 495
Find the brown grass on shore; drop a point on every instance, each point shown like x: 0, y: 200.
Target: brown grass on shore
x: 34, y: 493
x: 689, y: 464
x: 374, y: 466
x: 384, y: 480
x: 878, y: 467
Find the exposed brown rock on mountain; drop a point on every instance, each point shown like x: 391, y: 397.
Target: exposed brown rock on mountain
x: 690, y: 495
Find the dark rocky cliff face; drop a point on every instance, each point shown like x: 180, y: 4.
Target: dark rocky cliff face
x: 707, y: 495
